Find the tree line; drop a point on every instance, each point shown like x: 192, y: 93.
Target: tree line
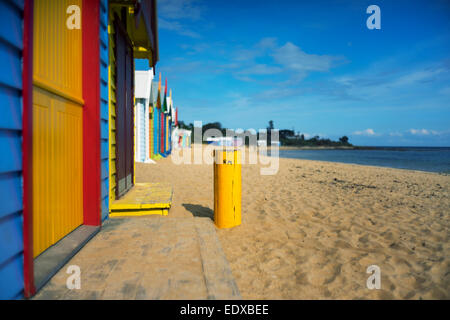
x: 286, y: 137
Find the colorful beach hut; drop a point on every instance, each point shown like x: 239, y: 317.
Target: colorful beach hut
x: 132, y: 26
x: 181, y: 138
x: 66, y: 89
x: 142, y: 123
x: 166, y: 122
x: 169, y: 124
x: 163, y: 124
x: 155, y: 119
x: 171, y: 116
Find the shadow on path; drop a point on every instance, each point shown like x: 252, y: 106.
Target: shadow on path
x: 199, y: 211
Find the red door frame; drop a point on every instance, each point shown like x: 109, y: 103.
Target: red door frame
x: 27, y: 146
x: 90, y: 24
x: 91, y: 128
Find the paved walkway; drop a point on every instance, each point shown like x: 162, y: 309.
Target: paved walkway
x: 151, y: 257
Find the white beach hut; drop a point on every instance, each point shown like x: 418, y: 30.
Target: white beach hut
x: 143, y: 81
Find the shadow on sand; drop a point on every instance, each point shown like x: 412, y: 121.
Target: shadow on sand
x: 199, y: 211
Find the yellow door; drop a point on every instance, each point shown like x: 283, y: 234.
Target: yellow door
x: 57, y: 124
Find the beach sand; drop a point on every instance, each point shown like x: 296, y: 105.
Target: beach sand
x: 311, y: 230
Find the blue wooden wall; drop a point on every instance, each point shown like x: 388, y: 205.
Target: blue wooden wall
x: 104, y: 131
x: 11, y: 239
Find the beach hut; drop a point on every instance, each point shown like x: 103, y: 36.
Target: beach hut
x: 163, y: 126
x: 59, y: 69
x: 158, y: 119
x: 150, y: 130
x: 142, y: 89
x: 176, y: 139
x: 170, y: 122
x: 166, y: 111
x: 15, y: 94
x: 155, y: 116
x: 176, y: 117
x: 132, y: 34
x: 132, y: 26
x: 187, y: 138
x: 168, y: 134
x: 175, y: 144
x: 181, y: 138
x: 169, y: 126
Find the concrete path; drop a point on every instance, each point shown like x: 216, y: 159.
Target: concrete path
x: 151, y: 257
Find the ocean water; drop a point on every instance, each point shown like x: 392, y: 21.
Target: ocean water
x: 412, y: 158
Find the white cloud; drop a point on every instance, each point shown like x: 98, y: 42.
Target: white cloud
x: 384, y: 80
x: 445, y: 91
x: 259, y: 49
x: 368, y: 132
x: 180, y: 9
x: 177, y: 27
x: 173, y: 15
x: 267, y: 43
x: 288, y: 59
x: 294, y: 58
x: 261, y: 69
x: 424, y: 132
x: 419, y: 131
x: 417, y: 76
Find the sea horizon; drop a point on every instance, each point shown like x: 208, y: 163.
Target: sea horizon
x: 429, y: 159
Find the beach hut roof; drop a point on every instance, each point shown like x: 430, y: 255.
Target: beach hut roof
x: 142, y: 84
x: 142, y: 27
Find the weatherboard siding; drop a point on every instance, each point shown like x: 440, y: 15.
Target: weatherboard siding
x: 112, y: 110
x: 11, y: 229
x: 104, y: 109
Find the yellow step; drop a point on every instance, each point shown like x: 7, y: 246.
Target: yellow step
x: 144, y: 199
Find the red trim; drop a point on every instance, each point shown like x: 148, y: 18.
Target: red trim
x: 91, y: 112
x: 27, y: 152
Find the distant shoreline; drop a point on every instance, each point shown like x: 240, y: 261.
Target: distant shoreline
x: 390, y: 148
x: 429, y: 159
x: 397, y: 148
x: 318, y: 148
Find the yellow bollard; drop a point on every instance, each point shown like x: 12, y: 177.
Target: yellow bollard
x: 227, y: 188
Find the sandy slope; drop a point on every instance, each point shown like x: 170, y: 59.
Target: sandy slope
x: 311, y: 230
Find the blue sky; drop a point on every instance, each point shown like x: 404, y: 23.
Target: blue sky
x: 311, y: 66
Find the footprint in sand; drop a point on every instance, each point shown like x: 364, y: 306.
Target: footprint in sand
x: 301, y: 278
x: 324, y: 275
x: 271, y: 265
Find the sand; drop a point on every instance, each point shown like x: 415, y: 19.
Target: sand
x: 311, y: 230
